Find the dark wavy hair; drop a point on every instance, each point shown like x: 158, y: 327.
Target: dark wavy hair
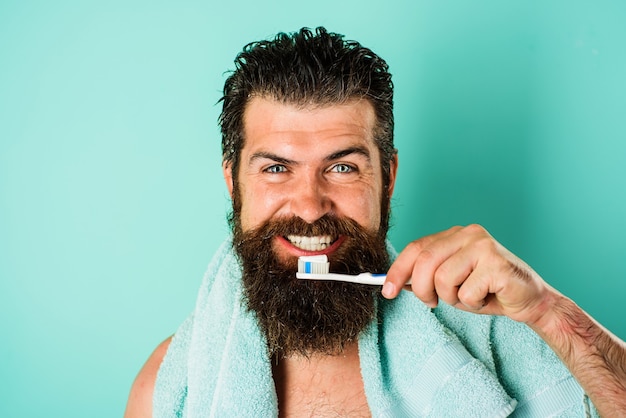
x: 307, y: 68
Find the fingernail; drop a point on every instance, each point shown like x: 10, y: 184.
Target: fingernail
x: 389, y: 290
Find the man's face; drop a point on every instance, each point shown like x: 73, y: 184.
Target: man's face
x: 309, y: 162
x: 309, y: 182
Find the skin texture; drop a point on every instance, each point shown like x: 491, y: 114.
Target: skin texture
x: 140, y: 399
x: 467, y: 268
x: 308, y: 162
x: 317, y: 160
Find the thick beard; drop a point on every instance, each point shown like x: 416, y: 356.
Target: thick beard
x: 307, y: 316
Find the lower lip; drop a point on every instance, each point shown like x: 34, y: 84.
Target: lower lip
x: 299, y: 252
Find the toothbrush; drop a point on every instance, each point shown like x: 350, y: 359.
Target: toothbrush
x: 317, y: 268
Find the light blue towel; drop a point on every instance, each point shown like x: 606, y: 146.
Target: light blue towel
x: 411, y: 364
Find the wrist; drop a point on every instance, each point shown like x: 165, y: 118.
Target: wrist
x: 553, y: 315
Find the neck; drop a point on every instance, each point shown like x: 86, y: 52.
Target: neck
x: 321, y: 384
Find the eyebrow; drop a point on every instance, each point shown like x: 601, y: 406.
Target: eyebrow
x: 351, y: 150
x: 334, y: 156
x: 270, y: 156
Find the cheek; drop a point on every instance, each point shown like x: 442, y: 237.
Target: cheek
x: 257, y: 206
x: 363, y: 207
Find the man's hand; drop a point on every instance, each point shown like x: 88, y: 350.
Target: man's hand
x: 467, y: 268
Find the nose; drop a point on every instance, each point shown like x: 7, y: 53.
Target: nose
x: 310, y: 199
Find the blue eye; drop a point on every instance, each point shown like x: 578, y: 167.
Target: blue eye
x: 342, y: 168
x: 275, y: 169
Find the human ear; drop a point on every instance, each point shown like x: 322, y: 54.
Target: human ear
x: 393, y: 170
x: 227, y: 172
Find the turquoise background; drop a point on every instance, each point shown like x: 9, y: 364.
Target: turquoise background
x: 509, y: 113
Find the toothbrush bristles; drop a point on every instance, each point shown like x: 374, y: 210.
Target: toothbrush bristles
x: 317, y: 264
x: 314, y: 264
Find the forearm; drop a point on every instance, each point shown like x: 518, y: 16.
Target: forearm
x: 595, y: 357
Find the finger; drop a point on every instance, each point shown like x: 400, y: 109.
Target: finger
x: 478, y: 262
x: 452, y: 273
x: 420, y: 260
x: 402, y: 269
x: 503, y: 288
x: 426, y: 282
x: 475, y: 292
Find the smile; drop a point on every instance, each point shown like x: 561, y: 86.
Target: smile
x: 317, y: 243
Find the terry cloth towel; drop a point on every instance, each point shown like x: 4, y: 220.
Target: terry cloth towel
x: 217, y: 363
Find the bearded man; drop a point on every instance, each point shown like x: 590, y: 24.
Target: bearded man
x: 310, y: 164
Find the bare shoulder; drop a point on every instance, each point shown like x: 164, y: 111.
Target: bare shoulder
x: 140, y: 398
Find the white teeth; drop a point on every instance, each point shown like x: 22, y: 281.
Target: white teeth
x: 317, y: 243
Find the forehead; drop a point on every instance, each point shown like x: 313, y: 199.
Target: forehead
x: 269, y: 123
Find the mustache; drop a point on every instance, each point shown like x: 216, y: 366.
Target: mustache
x: 360, y: 249
x: 326, y: 225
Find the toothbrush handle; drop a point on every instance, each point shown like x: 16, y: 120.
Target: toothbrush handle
x: 363, y: 278
x: 369, y: 278
x: 373, y: 279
